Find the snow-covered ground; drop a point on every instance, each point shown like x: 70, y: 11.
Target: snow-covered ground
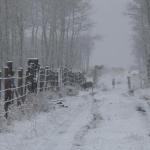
x: 109, y: 120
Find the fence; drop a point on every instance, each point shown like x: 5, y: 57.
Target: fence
x: 134, y: 81
x: 15, y: 86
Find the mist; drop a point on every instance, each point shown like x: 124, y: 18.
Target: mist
x: 115, y: 48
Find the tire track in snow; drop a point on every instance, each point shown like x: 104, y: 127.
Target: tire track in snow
x: 94, y: 122
x: 81, y: 120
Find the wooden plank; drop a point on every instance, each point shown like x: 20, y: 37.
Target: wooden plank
x: 20, y: 85
x: 7, y: 93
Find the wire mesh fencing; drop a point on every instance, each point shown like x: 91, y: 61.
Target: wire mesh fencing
x: 17, y: 88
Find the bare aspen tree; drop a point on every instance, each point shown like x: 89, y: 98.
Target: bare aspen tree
x: 139, y: 10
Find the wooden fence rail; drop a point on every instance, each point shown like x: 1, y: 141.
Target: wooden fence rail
x: 15, y: 86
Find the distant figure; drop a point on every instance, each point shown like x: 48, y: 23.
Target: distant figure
x: 87, y: 85
x: 113, y: 82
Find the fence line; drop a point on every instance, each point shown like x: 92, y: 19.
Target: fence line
x: 35, y: 79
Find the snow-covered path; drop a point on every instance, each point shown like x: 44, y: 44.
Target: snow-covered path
x: 82, y: 119
x: 107, y: 120
x: 55, y: 130
x: 122, y: 126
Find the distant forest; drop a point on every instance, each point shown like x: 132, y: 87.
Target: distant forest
x: 55, y: 31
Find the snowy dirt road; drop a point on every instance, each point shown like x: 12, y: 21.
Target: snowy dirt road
x: 108, y: 120
x: 122, y: 121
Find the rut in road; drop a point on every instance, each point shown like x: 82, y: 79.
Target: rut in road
x: 94, y: 122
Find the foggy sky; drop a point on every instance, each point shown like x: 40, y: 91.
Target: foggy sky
x: 115, y: 49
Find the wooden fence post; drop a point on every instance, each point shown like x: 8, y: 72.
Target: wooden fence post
x: 129, y: 83
x: 8, y: 92
x: 131, y: 91
x: 20, y: 85
x: 10, y: 68
x: 60, y: 78
x: 41, y: 79
x: 46, y: 77
x: 27, y: 87
x: 57, y: 80
x: 10, y: 75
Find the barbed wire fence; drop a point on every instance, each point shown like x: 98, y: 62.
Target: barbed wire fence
x: 20, y: 89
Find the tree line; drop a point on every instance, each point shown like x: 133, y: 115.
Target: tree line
x: 55, y: 31
x: 139, y: 11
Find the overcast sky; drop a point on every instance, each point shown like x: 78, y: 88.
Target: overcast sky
x: 116, y: 47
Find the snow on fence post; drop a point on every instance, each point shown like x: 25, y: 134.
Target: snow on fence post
x: 20, y: 86
x: 95, y: 76
x: 46, y: 77
x: 12, y: 80
x: 60, y: 84
x: 56, y: 80
x: 41, y: 79
x: 131, y: 90
x: 33, y: 69
x: 10, y: 68
x: 26, y: 81
x: 8, y: 92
